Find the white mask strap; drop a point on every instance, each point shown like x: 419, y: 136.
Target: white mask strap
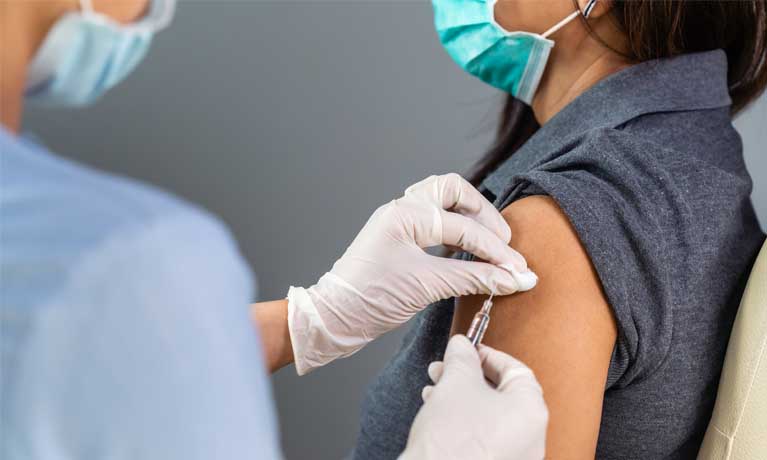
x: 86, y: 5
x: 159, y: 14
x: 569, y: 18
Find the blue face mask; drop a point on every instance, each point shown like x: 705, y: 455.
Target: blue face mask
x: 85, y: 54
x: 510, y: 61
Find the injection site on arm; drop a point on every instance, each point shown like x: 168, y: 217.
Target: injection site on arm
x: 563, y: 328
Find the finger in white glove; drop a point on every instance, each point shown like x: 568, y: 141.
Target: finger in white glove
x: 474, y: 238
x: 452, y: 192
x: 435, y: 370
x: 464, y: 416
x: 385, y: 276
x: 505, y: 371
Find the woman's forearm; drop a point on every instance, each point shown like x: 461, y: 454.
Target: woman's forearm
x: 271, y: 319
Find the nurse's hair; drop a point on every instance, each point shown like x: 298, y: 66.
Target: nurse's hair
x: 656, y: 29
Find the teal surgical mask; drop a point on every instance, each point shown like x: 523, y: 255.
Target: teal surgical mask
x: 85, y: 54
x: 510, y: 61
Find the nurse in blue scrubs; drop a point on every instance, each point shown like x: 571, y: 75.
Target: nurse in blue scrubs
x: 127, y: 329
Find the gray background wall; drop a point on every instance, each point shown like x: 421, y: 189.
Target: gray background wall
x: 293, y: 121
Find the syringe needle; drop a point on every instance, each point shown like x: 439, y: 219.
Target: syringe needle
x: 488, y: 304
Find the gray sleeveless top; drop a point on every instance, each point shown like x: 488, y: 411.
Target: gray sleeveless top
x: 649, y: 169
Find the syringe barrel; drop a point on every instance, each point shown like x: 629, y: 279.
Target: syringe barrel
x: 478, y: 327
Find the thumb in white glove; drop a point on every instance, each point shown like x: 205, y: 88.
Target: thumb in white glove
x: 385, y: 276
x: 484, y: 405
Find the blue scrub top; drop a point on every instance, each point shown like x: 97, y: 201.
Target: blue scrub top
x: 124, y: 322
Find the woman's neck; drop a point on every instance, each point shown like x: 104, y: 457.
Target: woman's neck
x: 566, y: 79
x: 577, y: 62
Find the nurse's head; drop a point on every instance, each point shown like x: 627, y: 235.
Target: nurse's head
x: 68, y: 53
x: 575, y: 43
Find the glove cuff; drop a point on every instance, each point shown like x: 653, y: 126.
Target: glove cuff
x: 318, y: 332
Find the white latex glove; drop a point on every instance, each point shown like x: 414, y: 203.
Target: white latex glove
x: 464, y: 417
x: 385, y: 277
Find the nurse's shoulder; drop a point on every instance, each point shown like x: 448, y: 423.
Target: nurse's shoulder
x: 58, y: 214
x: 125, y: 318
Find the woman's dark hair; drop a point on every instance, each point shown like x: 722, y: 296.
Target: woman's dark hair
x: 660, y: 29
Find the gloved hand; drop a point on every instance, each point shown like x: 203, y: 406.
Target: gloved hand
x: 464, y: 417
x: 385, y: 277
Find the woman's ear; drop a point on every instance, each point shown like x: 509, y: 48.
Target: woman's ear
x: 609, y: 33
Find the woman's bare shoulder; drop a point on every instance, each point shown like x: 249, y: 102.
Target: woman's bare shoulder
x: 563, y: 328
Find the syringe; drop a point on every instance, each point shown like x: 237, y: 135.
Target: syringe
x: 480, y: 322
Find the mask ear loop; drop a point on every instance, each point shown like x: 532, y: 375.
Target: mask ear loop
x: 586, y: 12
x: 589, y: 8
x: 87, y: 9
x: 86, y: 6
x: 160, y: 14
x: 158, y: 17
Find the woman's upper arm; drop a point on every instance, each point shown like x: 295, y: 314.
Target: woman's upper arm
x: 563, y: 328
